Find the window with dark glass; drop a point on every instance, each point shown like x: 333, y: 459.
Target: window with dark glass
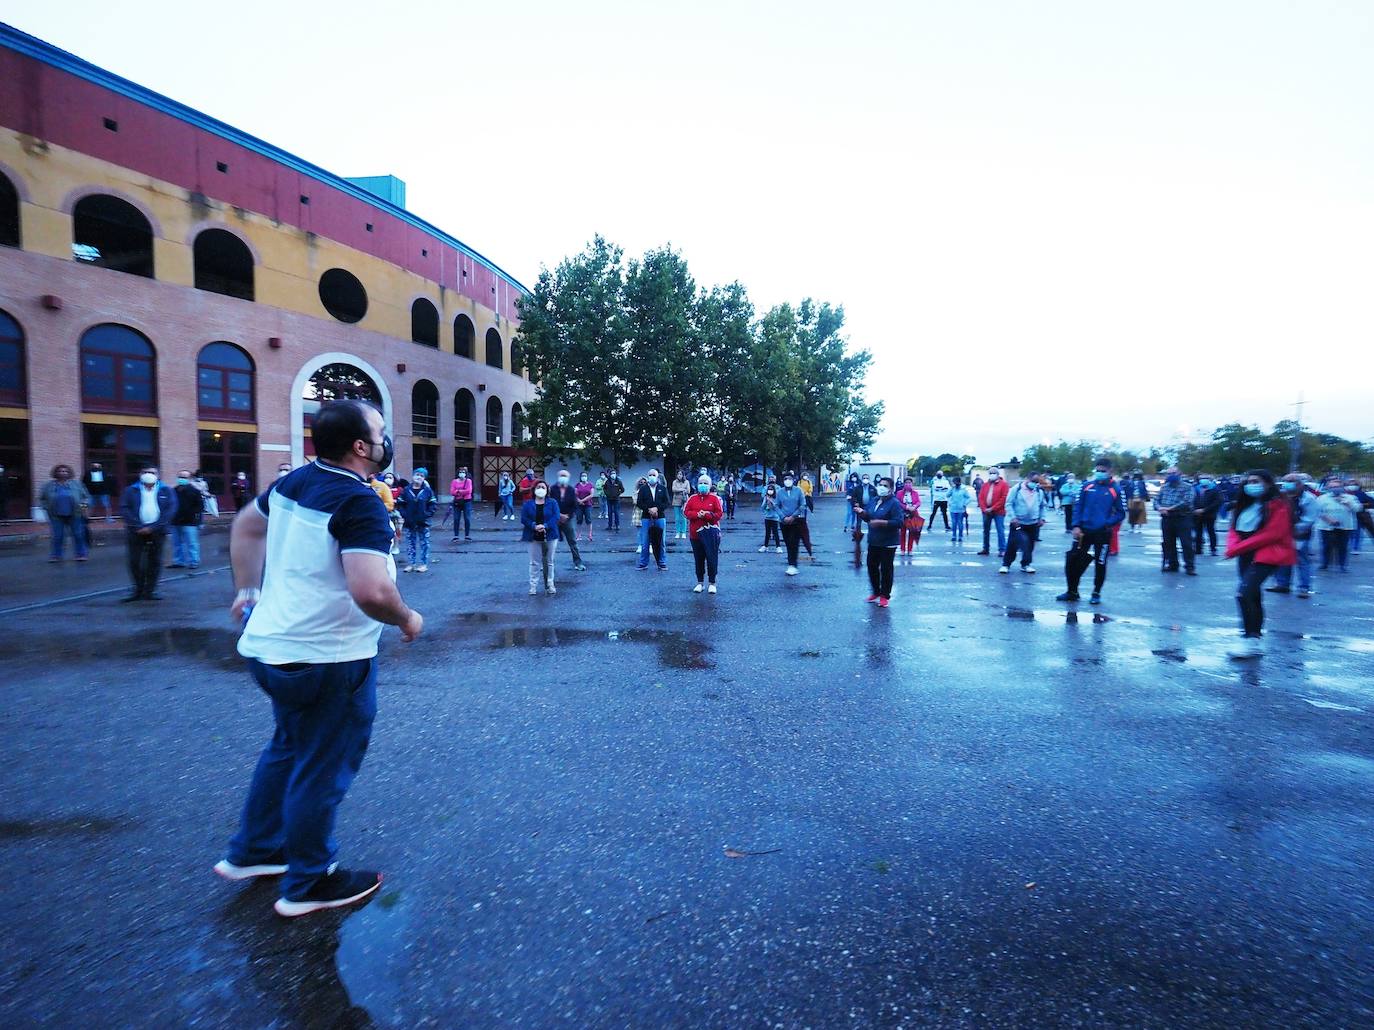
x: 13, y: 382
x: 336, y: 382
x: 517, y: 425
x: 517, y: 358
x: 224, y: 383
x: 464, y: 336
x: 462, y: 415
x: 112, y: 233
x: 117, y: 366
x: 224, y: 264
x: 424, y: 409
x: 494, y: 349
x: 124, y: 451
x: 9, y: 213
x: 222, y: 457
x: 424, y: 323
x: 493, y: 421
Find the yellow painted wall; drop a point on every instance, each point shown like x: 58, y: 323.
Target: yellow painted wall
x: 290, y: 261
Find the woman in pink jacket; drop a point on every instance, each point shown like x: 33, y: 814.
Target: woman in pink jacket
x: 910, y: 500
x: 461, y: 490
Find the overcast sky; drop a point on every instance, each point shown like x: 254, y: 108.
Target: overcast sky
x: 1120, y: 221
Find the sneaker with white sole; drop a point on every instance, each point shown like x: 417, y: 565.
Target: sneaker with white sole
x: 791, y: 570
x: 1004, y: 570
x: 335, y: 889
x: 422, y: 568
x: 1249, y: 647
x: 698, y: 589
x: 1029, y: 570
x: 777, y: 550
x: 275, y: 866
x: 762, y: 549
x: 711, y: 589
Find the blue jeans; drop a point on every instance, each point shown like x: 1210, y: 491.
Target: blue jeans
x: 1001, y: 522
x: 960, y: 520
x: 613, y: 514
x: 417, y: 542
x: 850, y: 519
x: 61, y: 526
x: 323, y: 716
x: 186, y: 545
x: 679, y: 521
x: 462, y: 515
x: 1283, y: 575
x: 507, y: 507
x: 651, y: 539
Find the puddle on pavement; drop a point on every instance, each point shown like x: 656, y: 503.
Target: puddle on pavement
x: 675, y: 650
x: 372, y: 957
x: 211, y: 646
x: 64, y: 826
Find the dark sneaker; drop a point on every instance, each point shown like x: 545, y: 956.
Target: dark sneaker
x: 1276, y: 590
x: 1067, y: 595
x: 131, y: 597
x: 1095, y: 599
x: 334, y: 890
x: 275, y: 865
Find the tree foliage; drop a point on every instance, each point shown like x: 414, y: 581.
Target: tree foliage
x: 1232, y: 448
x: 634, y: 358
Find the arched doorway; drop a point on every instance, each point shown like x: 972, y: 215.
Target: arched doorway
x: 328, y: 377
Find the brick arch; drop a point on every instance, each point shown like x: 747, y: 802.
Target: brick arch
x: 70, y: 201
x: 313, y: 365
x: 210, y: 223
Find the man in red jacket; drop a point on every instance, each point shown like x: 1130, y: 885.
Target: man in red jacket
x: 524, y: 490
x: 992, y: 502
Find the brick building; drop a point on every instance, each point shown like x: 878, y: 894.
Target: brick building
x: 174, y: 290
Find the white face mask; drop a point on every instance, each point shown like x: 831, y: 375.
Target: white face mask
x: 462, y: 475
x: 883, y: 491
x: 541, y: 493
x: 147, y: 479
x: 562, y: 480
x: 787, y: 482
x: 653, y: 480
x: 417, y: 483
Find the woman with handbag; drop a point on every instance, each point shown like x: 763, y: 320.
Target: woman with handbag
x: 912, y: 522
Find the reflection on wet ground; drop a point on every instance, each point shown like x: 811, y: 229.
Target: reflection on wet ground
x: 675, y: 650
x: 211, y: 646
x: 65, y: 826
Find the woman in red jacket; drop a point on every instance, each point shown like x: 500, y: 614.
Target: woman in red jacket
x: 703, y: 512
x: 1261, y: 540
x: 910, y: 500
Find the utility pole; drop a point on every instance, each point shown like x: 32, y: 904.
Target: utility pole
x: 1295, y: 451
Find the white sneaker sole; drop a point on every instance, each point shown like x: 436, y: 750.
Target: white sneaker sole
x: 291, y: 909
x: 229, y: 871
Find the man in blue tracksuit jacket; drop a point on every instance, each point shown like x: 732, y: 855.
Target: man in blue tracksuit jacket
x: 1099, y: 508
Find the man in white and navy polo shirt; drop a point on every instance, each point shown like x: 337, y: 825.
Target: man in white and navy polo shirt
x: 312, y: 561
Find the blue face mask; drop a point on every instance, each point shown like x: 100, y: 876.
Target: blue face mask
x: 1206, y: 484
x: 182, y: 481
x: 1101, y: 476
x: 1288, y: 488
x: 1255, y: 489
x: 703, y: 488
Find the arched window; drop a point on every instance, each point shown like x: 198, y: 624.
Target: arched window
x: 463, y: 405
x: 224, y: 264
x: 424, y: 323
x: 342, y: 295
x: 424, y: 409
x: 112, y: 233
x: 464, y: 336
x: 517, y: 358
x: 224, y: 383
x: 117, y: 371
x: 9, y: 213
x: 517, y: 425
x: 494, y: 349
x: 493, y: 420
x: 13, y: 381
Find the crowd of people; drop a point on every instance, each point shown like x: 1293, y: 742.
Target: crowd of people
x: 314, y: 567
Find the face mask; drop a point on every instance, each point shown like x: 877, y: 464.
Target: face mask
x: 147, y: 479
x: 772, y: 493
x: 703, y: 488
x: 883, y: 491
x: 462, y: 475
x: 1206, y: 484
x: 388, y: 452
x: 417, y: 482
x: 182, y: 480
x: 541, y: 493
x: 1101, y: 476
x: 787, y: 483
x: 583, y: 479
x: 1254, y: 489
x: 652, y: 480
x: 562, y: 480
x: 865, y: 482
x: 1288, y: 488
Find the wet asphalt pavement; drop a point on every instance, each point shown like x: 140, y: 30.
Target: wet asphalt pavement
x: 629, y: 805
